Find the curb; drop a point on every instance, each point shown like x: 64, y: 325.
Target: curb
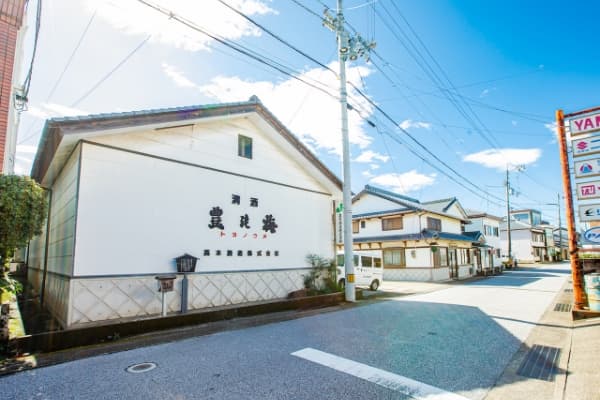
x: 78, y: 337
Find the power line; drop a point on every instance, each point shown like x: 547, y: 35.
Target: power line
x: 280, y: 69
x: 70, y: 59
x: 261, y: 59
x: 38, y: 22
x: 397, y: 125
x: 419, y: 58
x: 112, y: 71
x: 276, y: 37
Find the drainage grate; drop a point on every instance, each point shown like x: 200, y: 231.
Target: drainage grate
x: 140, y: 368
x: 562, y: 307
x: 540, y: 363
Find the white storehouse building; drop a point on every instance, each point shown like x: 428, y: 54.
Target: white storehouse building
x: 130, y: 192
x: 418, y: 241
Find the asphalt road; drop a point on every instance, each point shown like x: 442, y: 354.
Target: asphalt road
x: 449, y: 344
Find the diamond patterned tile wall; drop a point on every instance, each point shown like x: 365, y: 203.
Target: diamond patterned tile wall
x: 407, y: 274
x: 99, y: 299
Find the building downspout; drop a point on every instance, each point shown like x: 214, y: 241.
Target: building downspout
x: 46, y: 245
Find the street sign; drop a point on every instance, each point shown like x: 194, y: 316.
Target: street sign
x: 587, y: 146
x: 585, y: 124
x: 586, y: 168
x: 588, y: 190
x: 589, y: 212
x: 592, y: 235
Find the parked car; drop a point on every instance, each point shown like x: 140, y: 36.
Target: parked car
x: 368, y: 269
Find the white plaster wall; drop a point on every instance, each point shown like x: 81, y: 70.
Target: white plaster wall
x: 422, y: 257
x: 136, y: 214
x: 455, y: 210
x: 62, y: 218
x: 475, y: 225
x: 448, y: 224
x: 412, y: 223
x: 521, y: 245
x: 215, y: 144
x: 369, y: 203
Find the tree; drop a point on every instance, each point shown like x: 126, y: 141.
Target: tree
x: 23, y: 210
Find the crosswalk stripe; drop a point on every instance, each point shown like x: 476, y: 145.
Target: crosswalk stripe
x: 398, y: 383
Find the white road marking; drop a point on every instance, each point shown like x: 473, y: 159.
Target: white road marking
x: 398, y: 383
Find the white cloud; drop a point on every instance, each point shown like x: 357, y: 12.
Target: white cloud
x: 374, y: 166
x: 551, y: 127
x: 177, y: 76
x: 408, y: 124
x: 502, y: 158
x: 50, y: 110
x: 514, y: 123
x: 367, y: 174
x: 406, y: 182
x: 309, y: 113
x: 368, y: 156
x: 135, y: 18
x: 486, y: 92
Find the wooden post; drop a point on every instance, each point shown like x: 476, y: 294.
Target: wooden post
x: 576, y: 269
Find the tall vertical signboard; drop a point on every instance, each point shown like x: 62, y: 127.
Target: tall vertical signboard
x: 584, y: 129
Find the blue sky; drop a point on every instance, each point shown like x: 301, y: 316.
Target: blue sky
x: 503, y: 68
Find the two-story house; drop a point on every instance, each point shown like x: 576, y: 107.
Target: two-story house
x: 489, y: 226
x: 418, y: 241
x: 528, y: 243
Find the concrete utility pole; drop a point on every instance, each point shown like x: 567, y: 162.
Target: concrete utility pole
x: 508, y: 217
x: 559, y: 227
x: 352, y: 48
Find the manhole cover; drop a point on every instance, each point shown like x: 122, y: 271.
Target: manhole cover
x: 140, y: 368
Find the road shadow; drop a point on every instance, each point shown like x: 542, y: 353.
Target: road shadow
x: 457, y: 348
x: 519, y: 277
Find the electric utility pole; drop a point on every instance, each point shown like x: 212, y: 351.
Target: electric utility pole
x: 559, y: 228
x: 349, y: 47
x: 508, y: 217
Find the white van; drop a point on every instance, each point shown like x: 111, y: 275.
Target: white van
x: 368, y: 269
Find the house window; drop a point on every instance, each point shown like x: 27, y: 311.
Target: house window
x: 354, y: 226
x: 436, y: 257
x: 434, y: 224
x: 496, y: 231
x: 440, y: 256
x: 394, y: 258
x: 244, y: 146
x: 390, y: 224
x: 498, y: 253
x: 362, y: 224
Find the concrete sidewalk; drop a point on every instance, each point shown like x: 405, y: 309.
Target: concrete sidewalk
x: 578, y: 365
